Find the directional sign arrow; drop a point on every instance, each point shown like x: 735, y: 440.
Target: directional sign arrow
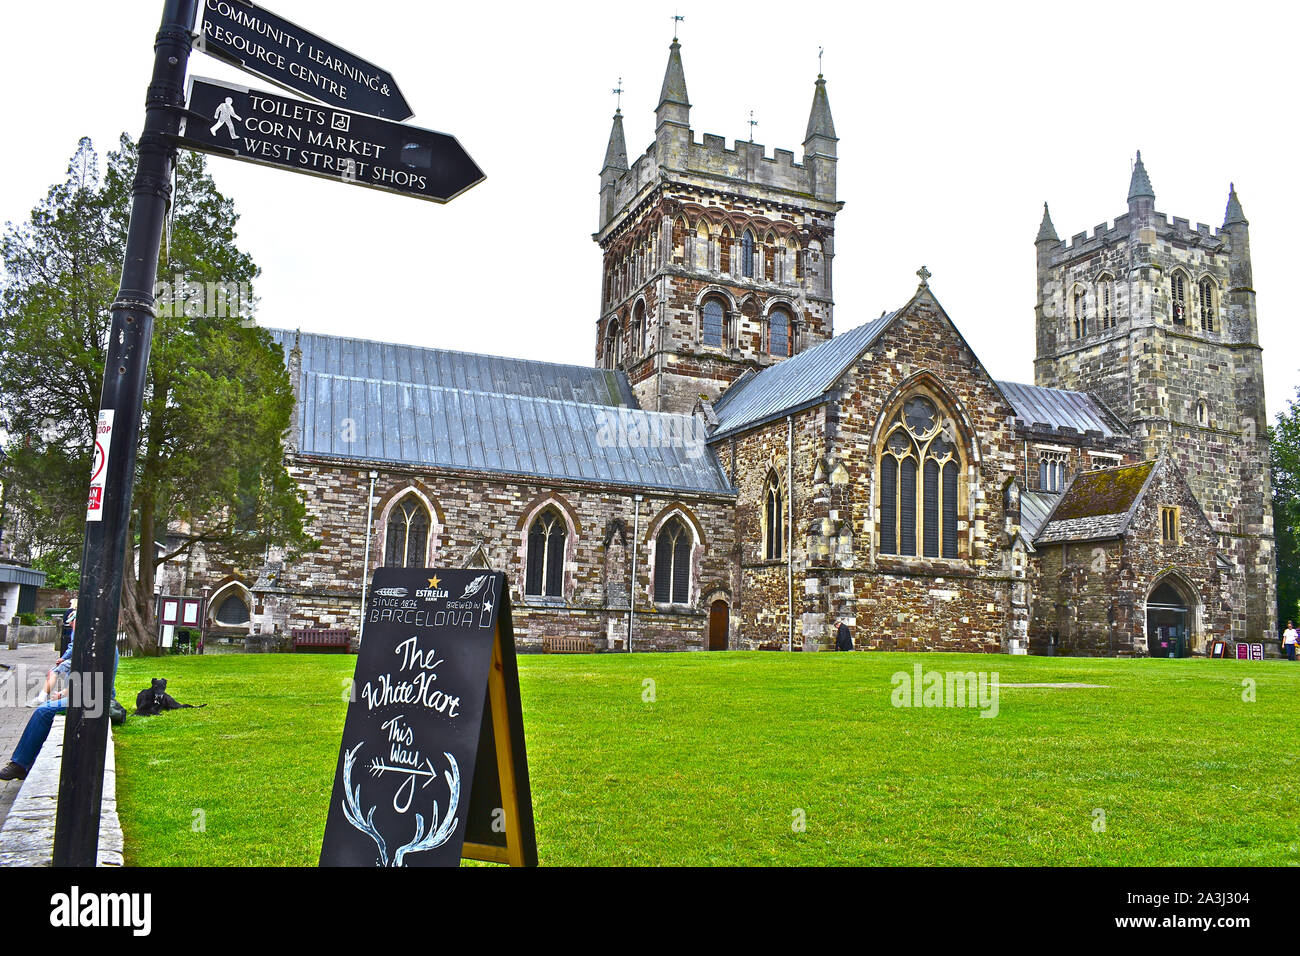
x: 269, y: 46
x: 348, y: 147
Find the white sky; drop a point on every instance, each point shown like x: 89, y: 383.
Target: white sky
x: 955, y: 121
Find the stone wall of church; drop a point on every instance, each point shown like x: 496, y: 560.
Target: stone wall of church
x: 889, y: 602
x: 483, y: 521
x: 1091, y: 596
x: 752, y: 459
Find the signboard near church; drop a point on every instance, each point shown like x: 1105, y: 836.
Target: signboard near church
x: 272, y: 130
x: 432, y: 766
x: 267, y: 45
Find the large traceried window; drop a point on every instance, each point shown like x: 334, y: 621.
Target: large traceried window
x: 673, y: 563
x: 544, y: 576
x: 920, y: 470
x: 774, y: 519
x: 407, y: 539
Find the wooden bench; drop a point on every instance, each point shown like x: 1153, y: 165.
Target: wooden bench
x: 567, y: 645
x: 321, y: 639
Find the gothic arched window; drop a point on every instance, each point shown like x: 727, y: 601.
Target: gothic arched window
x: 544, y: 576
x: 778, y: 333
x: 613, y: 344
x: 407, y: 538
x: 702, y: 245
x: 920, y: 468
x: 640, y: 333
x: 774, y: 519
x: 1105, y: 301
x: 747, y: 255
x: 673, y: 563
x: 1080, y: 313
x: 711, y: 323
x: 1178, y: 297
x: 232, y: 612
x: 1207, y: 305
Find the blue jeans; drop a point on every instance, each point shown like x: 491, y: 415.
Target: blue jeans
x: 38, y: 725
x: 37, y: 729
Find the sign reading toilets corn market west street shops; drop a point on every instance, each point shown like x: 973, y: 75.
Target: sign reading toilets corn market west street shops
x: 304, y: 137
x: 432, y: 766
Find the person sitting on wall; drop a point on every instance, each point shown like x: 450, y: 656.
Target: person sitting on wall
x: 42, y: 718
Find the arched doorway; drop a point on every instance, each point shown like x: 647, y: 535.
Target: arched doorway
x: 1169, y: 622
x: 718, y: 626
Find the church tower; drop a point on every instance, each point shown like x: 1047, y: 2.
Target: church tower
x: 716, y: 260
x: 1158, y: 319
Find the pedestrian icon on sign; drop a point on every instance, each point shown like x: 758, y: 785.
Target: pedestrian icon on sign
x: 223, y: 115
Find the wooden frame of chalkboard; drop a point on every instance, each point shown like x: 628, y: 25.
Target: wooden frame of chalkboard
x: 1218, y: 648
x: 501, y: 749
x: 434, y: 718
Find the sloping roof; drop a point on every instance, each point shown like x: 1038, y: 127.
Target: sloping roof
x: 1035, y: 506
x: 391, y: 362
x: 794, y: 383
x: 1097, y: 504
x: 16, y: 574
x: 1060, y: 409
x: 373, y: 401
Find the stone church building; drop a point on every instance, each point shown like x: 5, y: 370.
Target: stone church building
x: 732, y: 474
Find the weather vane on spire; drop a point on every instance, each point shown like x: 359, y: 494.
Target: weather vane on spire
x: 676, y: 20
x: 752, y: 123
x: 819, y: 61
x: 618, y: 91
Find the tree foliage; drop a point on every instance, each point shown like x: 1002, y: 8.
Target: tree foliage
x: 1285, y: 437
x: 210, y: 467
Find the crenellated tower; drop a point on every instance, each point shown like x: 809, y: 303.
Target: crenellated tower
x: 716, y: 260
x: 1158, y: 319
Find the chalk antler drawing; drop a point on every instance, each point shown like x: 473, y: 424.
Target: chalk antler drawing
x: 437, y: 835
x: 352, y: 808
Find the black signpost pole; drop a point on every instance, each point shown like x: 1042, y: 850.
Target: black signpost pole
x: 76, y: 834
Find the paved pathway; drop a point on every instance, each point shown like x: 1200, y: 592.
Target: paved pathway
x: 25, y: 666
x: 27, y: 807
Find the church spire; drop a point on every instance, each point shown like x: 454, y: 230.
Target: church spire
x: 674, y: 88
x: 673, y: 115
x: 1046, y: 231
x: 1234, y: 214
x: 1140, y: 185
x: 616, y: 151
x: 819, y: 117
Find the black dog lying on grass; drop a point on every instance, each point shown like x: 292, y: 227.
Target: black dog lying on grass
x: 153, y: 700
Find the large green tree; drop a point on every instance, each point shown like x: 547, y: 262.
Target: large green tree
x: 210, y: 466
x: 1285, y: 436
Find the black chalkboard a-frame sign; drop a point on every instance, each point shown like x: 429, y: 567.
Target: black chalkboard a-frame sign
x: 432, y: 767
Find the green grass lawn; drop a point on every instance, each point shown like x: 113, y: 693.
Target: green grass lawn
x: 736, y: 747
